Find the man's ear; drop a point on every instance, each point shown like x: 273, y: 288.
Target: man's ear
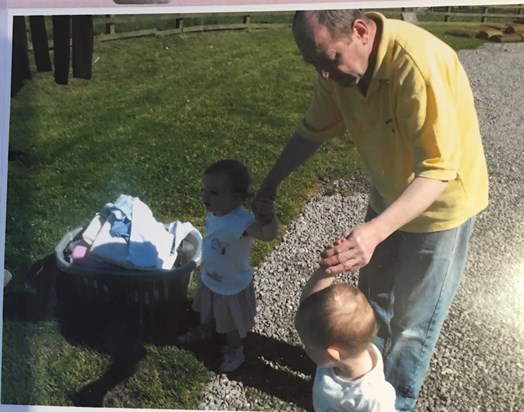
x: 360, y: 29
x: 333, y: 353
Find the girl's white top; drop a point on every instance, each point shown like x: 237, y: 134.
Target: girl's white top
x: 225, y: 265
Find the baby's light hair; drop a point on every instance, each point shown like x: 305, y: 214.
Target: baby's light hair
x: 235, y: 171
x: 339, y: 315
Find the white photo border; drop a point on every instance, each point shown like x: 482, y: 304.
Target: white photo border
x: 11, y: 8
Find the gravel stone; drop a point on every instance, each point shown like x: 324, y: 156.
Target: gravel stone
x: 478, y: 362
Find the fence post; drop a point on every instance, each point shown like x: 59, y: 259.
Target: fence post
x: 179, y: 23
x: 484, y: 19
x: 246, y: 20
x: 110, y: 24
x: 447, y: 17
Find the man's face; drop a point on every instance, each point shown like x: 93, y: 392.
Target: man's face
x: 343, y: 59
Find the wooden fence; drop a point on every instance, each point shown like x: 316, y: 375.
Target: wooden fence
x: 187, y: 23
x: 114, y: 27
x: 473, y: 13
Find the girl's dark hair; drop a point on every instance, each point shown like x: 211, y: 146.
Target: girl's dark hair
x: 237, y: 173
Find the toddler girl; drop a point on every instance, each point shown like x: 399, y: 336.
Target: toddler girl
x: 225, y: 295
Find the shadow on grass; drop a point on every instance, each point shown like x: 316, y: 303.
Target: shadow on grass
x: 117, y: 329
x: 121, y: 330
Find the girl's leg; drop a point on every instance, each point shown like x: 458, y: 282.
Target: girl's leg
x: 202, y: 303
x: 235, y: 317
x: 233, y: 339
x: 233, y: 352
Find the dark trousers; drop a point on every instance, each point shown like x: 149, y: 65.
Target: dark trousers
x: 20, y: 69
x: 80, y: 29
x: 40, y: 44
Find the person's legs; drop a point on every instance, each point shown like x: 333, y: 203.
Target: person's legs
x: 40, y: 44
x: 82, y: 40
x: 233, y: 352
x: 202, y: 304
x: 61, y: 47
x: 233, y: 339
x: 235, y: 317
x: 429, y: 270
x: 376, y: 281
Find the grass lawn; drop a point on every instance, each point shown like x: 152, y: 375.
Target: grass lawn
x: 156, y: 112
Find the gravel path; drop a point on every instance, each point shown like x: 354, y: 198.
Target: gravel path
x: 478, y: 364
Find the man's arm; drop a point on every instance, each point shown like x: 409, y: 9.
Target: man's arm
x: 363, y: 239
x: 296, y: 152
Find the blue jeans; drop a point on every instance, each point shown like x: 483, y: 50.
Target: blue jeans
x: 411, y: 281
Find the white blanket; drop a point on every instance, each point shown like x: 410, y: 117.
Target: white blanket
x: 151, y: 246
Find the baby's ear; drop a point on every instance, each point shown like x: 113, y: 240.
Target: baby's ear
x: 333, y: 353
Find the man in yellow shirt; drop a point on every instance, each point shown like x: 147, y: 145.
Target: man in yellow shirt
x: 406, y: 102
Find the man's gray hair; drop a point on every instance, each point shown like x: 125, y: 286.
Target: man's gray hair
x: 338, y: 22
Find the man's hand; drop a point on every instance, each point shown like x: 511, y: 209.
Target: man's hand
x: 351, y: 252
x: 263, y: 205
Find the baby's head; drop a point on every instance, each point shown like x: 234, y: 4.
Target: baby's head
x: 338, y: 317
x: 225, y: 186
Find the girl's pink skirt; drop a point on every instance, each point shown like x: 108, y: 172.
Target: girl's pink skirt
x: 229, y: 312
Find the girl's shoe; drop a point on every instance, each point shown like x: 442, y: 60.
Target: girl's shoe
x: 233, y: 358
x: 194, y: 335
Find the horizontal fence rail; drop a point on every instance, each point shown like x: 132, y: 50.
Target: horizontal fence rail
x: 479, y: 13
x: 187, y: 23
x: 190, y: 23
x: 115, y: 27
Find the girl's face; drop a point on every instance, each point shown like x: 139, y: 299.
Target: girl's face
x: 218, y: 194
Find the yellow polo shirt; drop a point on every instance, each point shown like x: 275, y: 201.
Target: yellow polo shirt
x: 417, y: 119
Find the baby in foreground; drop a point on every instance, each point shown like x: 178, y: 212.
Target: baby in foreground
x: 337, y: 326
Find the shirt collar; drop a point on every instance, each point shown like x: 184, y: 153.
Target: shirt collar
x: 381, y: 71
